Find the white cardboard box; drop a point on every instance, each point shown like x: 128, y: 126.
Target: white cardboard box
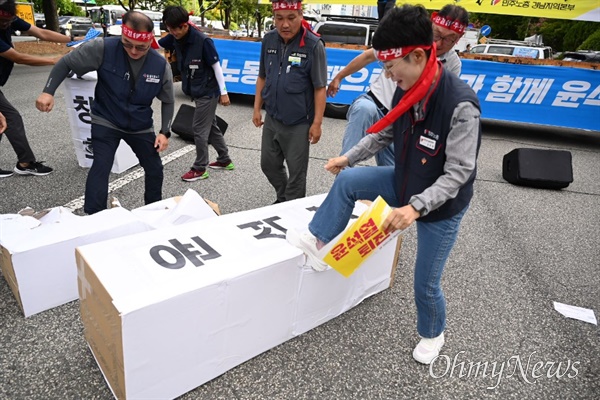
x: 38, y: 259
x: 168, y: 310
x: 177, y: 210
x: 79, y: 94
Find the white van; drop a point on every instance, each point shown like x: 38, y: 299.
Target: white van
x: 346, y: 29
x: 511, y: 50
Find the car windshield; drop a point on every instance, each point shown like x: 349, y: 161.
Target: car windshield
x: 63, y: 19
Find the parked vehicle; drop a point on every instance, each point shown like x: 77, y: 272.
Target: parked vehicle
x: 590, y: 56
x: 470, y: 37
x: 74, y: 26
x: 511, y: 48
x: 114, y: 13
x: 344, y: 30
x: 40, y: 20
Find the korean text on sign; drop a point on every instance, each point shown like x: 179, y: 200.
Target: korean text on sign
x: 360, y: 240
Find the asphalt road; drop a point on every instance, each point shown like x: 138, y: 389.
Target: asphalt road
x: 519, y: 250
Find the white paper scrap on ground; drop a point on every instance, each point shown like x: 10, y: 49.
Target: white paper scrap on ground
x: 582, y: 314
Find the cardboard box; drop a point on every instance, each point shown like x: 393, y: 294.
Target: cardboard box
x: 38, y: 259
x: 79, y: 95
x: 177, y: 210
x: 168, y: 310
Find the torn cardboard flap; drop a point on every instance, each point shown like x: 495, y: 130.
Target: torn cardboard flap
x: 177, y: 210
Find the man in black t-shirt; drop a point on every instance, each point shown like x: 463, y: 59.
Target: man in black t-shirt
x: 15, y: 132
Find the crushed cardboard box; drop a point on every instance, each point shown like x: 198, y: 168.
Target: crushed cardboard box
x: 38, y: 248
x: 38, y: 254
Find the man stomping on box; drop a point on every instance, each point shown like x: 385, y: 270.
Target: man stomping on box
x: 130, y: 75
x: 436, y: 130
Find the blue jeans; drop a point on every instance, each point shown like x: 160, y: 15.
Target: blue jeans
x: 105, y: 142
x: 434, y: 239
x: 362, y: 114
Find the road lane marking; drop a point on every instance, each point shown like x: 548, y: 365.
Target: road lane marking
x: 137, y: 173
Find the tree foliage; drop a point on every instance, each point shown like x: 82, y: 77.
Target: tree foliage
x: 592, y: 42
x: 578, y: 32
x: 553, y: 32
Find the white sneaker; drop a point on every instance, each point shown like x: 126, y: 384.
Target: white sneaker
x: 308, y: 244
x: 428, y: 349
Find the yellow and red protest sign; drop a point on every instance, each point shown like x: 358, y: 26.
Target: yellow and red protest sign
x: 361, y: 239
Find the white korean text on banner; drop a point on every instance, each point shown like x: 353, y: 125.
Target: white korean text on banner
x: 534, y: 94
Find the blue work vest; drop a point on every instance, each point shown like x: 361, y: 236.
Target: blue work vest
x: 420, y: 145
x: 289, y: 94
x: 197, y: 76
x: 118, y: 98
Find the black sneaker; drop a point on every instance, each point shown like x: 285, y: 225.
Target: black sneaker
x: 5, y: 174
x: 34, y: 168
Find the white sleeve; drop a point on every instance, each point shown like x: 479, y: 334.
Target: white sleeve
x: 220, y: 78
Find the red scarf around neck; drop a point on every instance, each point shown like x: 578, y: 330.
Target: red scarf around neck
x: 415, y: 94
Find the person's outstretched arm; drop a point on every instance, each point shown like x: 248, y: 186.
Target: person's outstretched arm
x: 357, y: 63
x: 88, y: 57
x: 48, y: 35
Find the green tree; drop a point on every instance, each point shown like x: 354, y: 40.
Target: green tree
x: 577, y: 33
x: 592, y: 42
x: 554, y: 32
x: 503, y: 26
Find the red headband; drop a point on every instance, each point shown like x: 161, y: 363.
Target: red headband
x: 392, y: 54
x: 284, y: 5
x: 453, y: 25
x: 6, y: 14
x: 135, y: 35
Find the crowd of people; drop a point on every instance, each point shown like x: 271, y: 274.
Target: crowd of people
x: 418, y: 119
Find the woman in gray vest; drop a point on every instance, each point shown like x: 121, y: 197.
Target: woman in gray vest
x: 371, y: 106
x: 291, y: 83
x: 435, y: 127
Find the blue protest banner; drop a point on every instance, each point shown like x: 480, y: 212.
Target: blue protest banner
x: 535, y: 94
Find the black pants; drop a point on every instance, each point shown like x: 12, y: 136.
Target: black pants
x: 15, y: 131
x: 104, y: 143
